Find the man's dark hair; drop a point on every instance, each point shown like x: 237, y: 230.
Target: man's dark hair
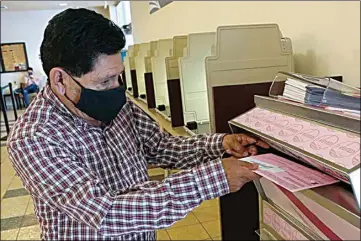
x: 29, y: 68
x: 75, y: 38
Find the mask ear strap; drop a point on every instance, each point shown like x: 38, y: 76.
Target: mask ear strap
x: 77, y: 82
x: 69, y: 99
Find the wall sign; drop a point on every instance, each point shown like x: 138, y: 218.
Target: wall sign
x: 13, y: 57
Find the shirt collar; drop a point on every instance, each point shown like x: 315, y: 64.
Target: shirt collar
x: 50, y: 97
x: 54, y: 101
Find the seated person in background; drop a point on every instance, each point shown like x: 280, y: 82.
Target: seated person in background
x: 30, y: 85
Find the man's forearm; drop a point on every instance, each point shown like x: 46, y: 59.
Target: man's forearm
x: 156, y: 205
x: 183, y: 152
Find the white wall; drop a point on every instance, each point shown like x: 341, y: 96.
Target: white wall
x: 123, y: 18
x: 28, y: 27
x: 325, y: 34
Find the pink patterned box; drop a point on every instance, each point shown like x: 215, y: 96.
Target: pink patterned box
x: 280, y: 225
x: 340, y: 148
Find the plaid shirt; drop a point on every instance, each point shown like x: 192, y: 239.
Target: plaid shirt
x: 91, y: 183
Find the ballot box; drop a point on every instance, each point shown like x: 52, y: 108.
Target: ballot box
x: 192, y: 77
x: 130, y: 72
x: 164, y: 50
x: 140, y: 69
x: 247, y: 58
x: 291, y: 204
x: 148, y: 75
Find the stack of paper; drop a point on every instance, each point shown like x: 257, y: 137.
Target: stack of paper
x: 332, y: 98
x: 315, y: 95
x: 295, y: 90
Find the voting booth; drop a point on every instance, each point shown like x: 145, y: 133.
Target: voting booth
x: 193, y: 81
x: 130, y: 71
x: 325, y: 141
x: 164, y: 50
x: 172, y: 88
x: 246, y: 60
x: 148, y: 75
x: 140, y: 68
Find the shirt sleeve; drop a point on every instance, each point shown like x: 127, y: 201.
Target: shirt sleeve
x: 55, y: 175
x: 175, y: 151
x: 25, y: 80
x: 36, y: 80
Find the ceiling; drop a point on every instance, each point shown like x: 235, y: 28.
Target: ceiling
x: 16, y: 5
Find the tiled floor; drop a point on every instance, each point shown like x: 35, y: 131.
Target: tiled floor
x: 18, y: 221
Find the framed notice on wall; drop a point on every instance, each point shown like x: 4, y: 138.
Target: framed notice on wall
x: 13, y: 57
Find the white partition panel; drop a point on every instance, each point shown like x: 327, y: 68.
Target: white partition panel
x: 193, y: 76
x: 245, y: 55
x: 127, y: 67
x: 140, y: 66
x: 150, y: 54
x: 164, y: 49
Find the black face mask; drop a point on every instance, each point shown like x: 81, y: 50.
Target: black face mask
x: 101, y: 105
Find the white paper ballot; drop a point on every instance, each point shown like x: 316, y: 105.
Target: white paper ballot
x: 263, y: 166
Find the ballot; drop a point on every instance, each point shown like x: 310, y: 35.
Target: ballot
x: 289, y: 174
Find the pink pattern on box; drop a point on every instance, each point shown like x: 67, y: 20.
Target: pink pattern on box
x: 333, y: 145
x: 281, y: 226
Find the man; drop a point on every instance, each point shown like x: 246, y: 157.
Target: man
x: 30, y: 85
x: 82, y: 148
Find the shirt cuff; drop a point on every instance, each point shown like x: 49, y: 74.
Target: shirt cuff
x: 214, y: 145
x: 211, y: 180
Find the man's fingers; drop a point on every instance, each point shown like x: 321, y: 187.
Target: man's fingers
x: 252, y: 150
x: 248, y: 165
x: 251, y: 175
x: 237, y: 146
x: 245, y: 140
x: 254, y: 176
x: 241, y: 153
x: 262, y: 144
x: 236, y: 154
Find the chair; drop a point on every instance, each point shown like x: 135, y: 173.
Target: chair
x: 3, y: 109
x: 5, y: 93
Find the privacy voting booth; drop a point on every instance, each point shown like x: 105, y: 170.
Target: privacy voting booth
x: 193, y: 81
x: 164, y: 49
x: 246, y: 60
x: 130, y: 71
x: 148, y: 75
x: 140, y: 68
x: 171, y: 88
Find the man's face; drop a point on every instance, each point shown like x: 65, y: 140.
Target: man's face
x: 30, y: 72
x: 105, y: 76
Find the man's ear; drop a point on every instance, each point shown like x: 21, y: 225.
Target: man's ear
x: 57, y: 78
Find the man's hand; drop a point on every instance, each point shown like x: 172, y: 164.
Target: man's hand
x: 240, y: 145
x: 239, y: 173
